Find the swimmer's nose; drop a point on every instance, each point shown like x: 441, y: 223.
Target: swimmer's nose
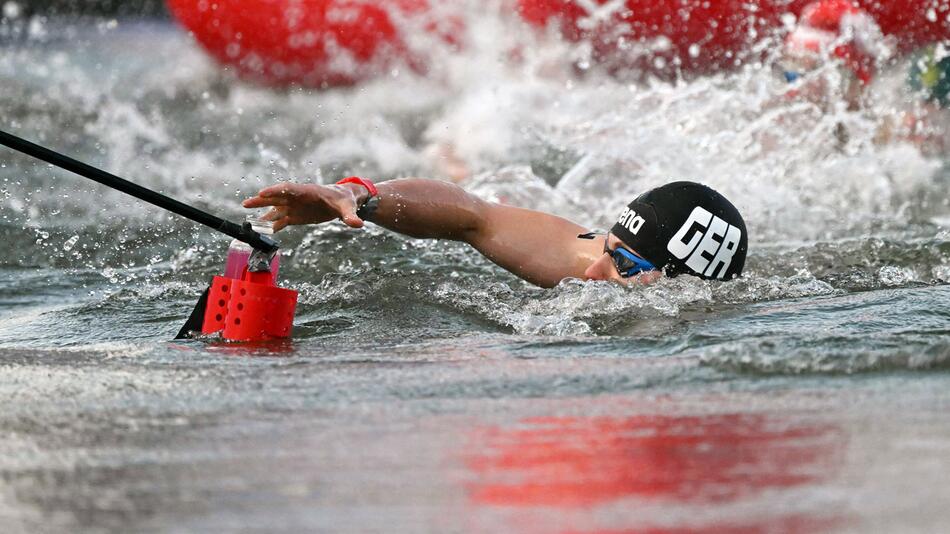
x: 602, y: 269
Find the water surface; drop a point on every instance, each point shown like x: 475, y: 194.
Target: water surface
x: 426, y: 390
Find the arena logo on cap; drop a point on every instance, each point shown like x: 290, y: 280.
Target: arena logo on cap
x: 631, y: 221
x: 712, y: 243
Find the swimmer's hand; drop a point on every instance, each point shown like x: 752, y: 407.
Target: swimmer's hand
x: 308, y: 204
x: 541, y: 248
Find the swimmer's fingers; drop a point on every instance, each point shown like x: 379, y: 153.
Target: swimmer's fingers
x: 258, y: 202
x: 347, y: 210
x: 275, y: 214
x: 281, y: 194
x: 325, y: 202
x: 306, y: 204
x: 281, y: 223
x: 282, y: 218
x: 263, y: 202
x: 284, y: 190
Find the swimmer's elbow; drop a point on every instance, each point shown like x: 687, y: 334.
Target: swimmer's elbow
x: 475, y: 221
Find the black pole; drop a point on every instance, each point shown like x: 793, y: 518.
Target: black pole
x: 241, y: 233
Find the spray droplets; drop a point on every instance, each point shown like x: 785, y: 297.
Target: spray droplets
x: 70, y: 243
x: 41, y: 235
x: 11, y: 10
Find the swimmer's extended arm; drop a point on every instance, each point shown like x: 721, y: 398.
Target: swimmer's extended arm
x: 539, y: 247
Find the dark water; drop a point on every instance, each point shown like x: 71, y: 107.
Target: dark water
x: 425, y: 390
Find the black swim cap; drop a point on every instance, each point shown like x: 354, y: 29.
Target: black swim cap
x: 685, y: 227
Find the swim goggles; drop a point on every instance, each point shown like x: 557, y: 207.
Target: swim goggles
x: 627, y: 263
x: 791, y: 76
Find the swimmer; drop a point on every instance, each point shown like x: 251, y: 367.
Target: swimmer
x: 678, y: 228
x: 925, y: 120
x: 929, y: 80
x: 929, y: 75
x: 833, y: 32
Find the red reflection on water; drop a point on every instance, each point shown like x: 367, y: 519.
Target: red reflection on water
x: 572, y: 462
x: 272, y: 348
x: 793, y: 524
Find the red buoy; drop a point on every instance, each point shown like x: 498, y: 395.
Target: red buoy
x: 314, y: 43
x: 667, y: 37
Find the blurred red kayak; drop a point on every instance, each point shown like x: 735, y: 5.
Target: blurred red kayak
x: 671, y: 36
x: 327, y: 43
x: 314, y: 43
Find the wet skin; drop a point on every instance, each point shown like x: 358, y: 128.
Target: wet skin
x: 539, y: 247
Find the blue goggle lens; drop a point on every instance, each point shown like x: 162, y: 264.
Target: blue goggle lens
x: 629, y: 264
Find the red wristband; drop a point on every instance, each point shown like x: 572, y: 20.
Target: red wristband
x: 373, y: 192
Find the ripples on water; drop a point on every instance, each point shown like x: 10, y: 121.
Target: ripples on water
x: 848, y: 271
x: 823, y: 218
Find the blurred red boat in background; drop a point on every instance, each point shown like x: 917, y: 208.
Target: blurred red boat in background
x: 326, y: 43
x: 702, y: 36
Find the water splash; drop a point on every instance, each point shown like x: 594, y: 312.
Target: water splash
x: 828, y: 213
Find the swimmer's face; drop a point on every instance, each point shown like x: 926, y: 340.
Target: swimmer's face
x: 604, y: 269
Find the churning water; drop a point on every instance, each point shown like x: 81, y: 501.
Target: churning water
x: 425, y: 389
